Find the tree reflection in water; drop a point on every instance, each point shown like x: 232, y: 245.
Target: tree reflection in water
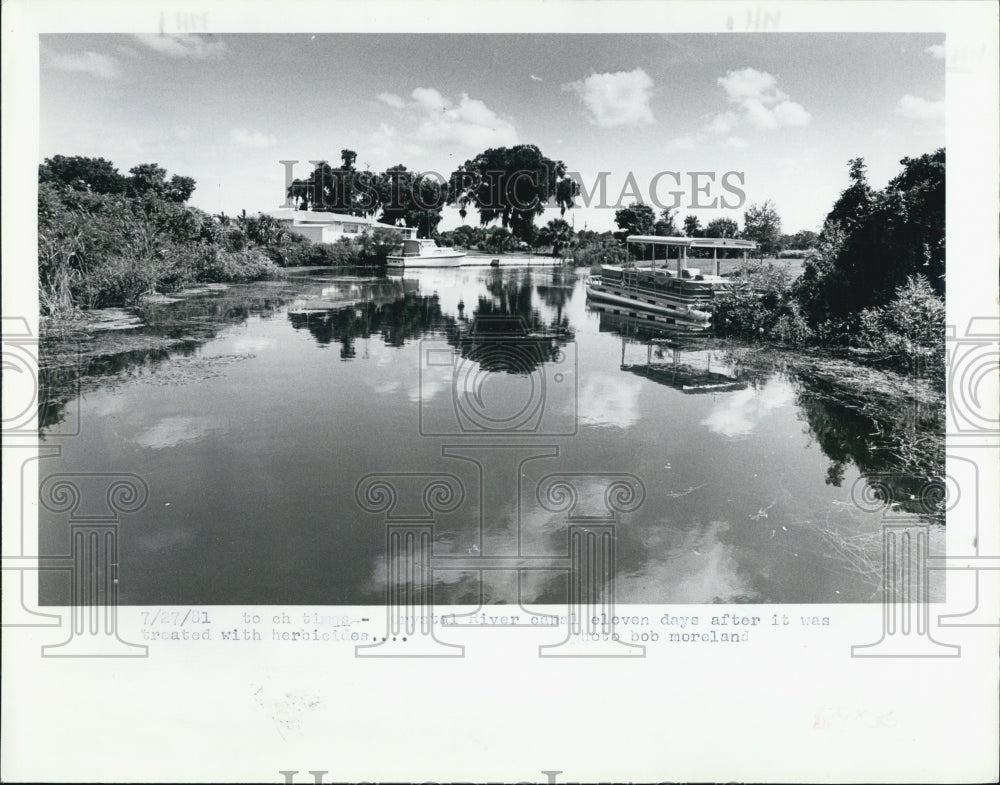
x: 514, y: 322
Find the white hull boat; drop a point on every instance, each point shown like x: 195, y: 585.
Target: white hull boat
x: 425, y: 253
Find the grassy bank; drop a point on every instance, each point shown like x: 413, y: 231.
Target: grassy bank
x: 107, y: 240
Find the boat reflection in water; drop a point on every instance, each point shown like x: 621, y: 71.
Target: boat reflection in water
x: 695, y: 375
x: 265, y: 402
x: 352, y: 291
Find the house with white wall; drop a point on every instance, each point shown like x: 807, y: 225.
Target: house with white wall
x: 325, y: 227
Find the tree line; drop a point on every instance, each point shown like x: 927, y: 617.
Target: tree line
x: 509, y: 187
x: 108, y: 239
x: 875, y: 281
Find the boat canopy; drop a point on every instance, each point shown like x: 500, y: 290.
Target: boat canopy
x: 693, y: 242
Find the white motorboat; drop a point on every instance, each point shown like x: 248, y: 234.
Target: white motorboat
x: 425, y: 253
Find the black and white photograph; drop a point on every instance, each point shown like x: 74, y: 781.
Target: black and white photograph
x: 656, y: 347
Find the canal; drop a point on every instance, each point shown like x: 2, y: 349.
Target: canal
x: 272, y: 421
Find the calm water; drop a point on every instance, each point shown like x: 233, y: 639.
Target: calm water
x: 252, y: 412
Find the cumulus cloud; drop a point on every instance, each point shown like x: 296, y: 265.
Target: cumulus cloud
x: 435, y: 119
x: 392, y: 100
x: 86, y: 63
x: 609, y: 401
x: 467, y: 122
x: 182, y: 45
x: 535, y: 78
x: 758, y: 114
x: 758, y: 102
x: 740, y: 413
x: 791, y: 113
x: 936, y: 51
x: 913, y: 107
x: 751, y: 83
x: 245, y: 137
x: 617, y: 99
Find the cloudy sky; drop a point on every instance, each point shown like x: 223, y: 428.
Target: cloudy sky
x: 786, y: 111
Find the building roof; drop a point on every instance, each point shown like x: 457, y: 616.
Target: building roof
x: 318, y: 217
x: 692, y: 242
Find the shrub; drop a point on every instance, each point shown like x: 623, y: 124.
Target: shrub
x: 909, y: 329
x: 592, y: 253
x: 216, y: 265
x: 752, y: 306
x: 98, y: 249
x: 376, y: 245
x: 791, y: 326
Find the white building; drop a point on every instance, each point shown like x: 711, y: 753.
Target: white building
x: 323, y: 227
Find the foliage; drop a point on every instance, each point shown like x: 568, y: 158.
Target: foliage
x: 378, y: 244
x: 498, y: 240
x: 83, y: 174
x: 873, y: 241
x: 106, y: 240
x: 512, y: 184
x: 411, y: 198
x: 637, y: 218
x: 759, y: 305
x: 692, y: 226
x: 100, y: 176
x: 909, y: 328
x: 666, y: 226
x: 598, y: 250
x: 762, y: 224
x: 722, y: 227
x: 216, y: 265
x: 464, y: 236
x: 873, y: 279
x: 557, y: 233
x: 150, y: 179
x: 803, y: 240
x: 342, y: 190
x: 856, y: 202
x: 342, y: 253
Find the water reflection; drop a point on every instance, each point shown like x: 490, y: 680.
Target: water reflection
x: 748, y: 454
x: 900, y: 448
x: 98, y: 352
x: 397, y: 320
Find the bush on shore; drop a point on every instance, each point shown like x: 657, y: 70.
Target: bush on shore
x: 759, y: 305
x: 105, y: 239
x: 874, y: 281
x: 598, y: 251
x: 907, y: 331
x: 99, y: 250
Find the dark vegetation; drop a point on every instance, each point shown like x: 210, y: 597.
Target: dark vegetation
x: 107, y: 239
x: 874, y: 283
